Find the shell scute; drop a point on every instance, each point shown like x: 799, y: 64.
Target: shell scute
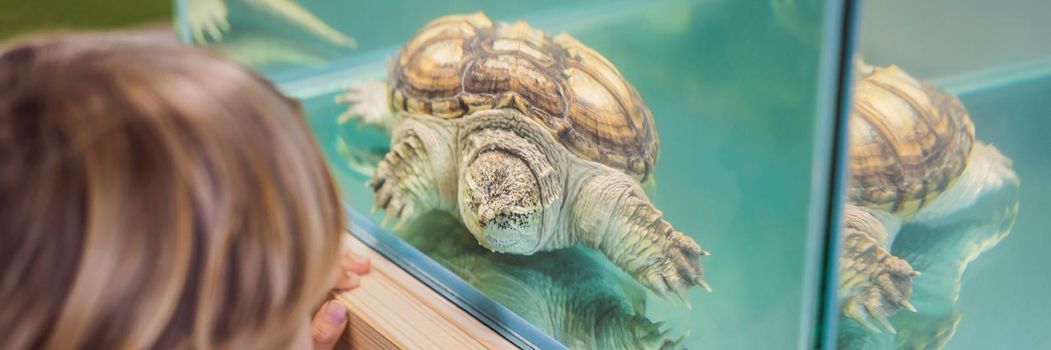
x: 909, y: 141
x: 457, y: 65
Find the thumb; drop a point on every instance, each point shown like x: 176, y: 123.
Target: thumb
x: 328, y: 325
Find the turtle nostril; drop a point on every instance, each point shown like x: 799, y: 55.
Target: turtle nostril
x: 485, y: 215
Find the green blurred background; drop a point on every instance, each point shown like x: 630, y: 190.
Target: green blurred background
x: 18, y: 17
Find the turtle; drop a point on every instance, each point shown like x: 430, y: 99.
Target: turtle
x: 914, y: 159
x: 535, y: 142
x: 942, y: 249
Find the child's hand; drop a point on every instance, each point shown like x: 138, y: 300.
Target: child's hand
x: 331, y: 319
x: 353, y: 264
x: 328, y: 325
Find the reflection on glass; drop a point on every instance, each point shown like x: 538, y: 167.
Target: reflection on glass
x: 209, y: 23
x: 535, y: 143
x: 732, y: 99
x: 925, y: 199
x: 802, y: 18
x: 587, y: 307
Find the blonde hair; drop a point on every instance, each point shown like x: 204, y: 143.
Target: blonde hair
x: 155, y: 196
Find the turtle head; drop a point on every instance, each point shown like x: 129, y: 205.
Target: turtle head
x: 499, y: 201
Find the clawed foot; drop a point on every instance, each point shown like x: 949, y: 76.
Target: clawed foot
x: 208, y: 18
x: 873, y: 283
x: 614, y: 216
x: 402, y: 183
x: 652, y: 335
x: 676, y: 268
x: 390, y: 197
x: 368, y: 103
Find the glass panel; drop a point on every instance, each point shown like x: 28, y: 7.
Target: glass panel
x: 737, y: 91
x: 949, y: 157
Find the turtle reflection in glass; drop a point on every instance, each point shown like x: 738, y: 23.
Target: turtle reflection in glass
x: 914, y: 159
x: 535, y: 142
x: 570, y: 294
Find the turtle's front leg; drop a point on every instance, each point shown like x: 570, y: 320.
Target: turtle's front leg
x: 368, y: 102
x: 873, y: 283
x: 612, y: 214
x: 413, y: 177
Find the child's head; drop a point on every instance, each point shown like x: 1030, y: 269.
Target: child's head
x: 153, y: 195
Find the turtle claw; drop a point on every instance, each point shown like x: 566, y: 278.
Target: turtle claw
x: 404, y: 214
x: 400, y: 183
x: 700, y: 282
x: 637, y: 238
x: 674, y: 274
x: 874, y: 284
x: 886, y: 324
x: 398, y: 208
x: 907, y: 305
x: 864, y: 322
x: 863, y: 315
x: 669, y: 264
x: 682, y: 297
x: 663, y: 296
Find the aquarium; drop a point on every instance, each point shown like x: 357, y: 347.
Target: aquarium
x: 660, y: 176
x: 978, y: 239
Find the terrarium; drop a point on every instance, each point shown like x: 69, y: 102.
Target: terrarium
x: 666, y: 174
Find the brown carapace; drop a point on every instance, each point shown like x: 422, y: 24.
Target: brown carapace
x: 457, y: 65
x: 909, y: 141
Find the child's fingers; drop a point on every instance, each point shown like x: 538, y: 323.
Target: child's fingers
x: 328, y: 325
x: 347, y: 280
x: 353, y: 258
x: 359, y: 264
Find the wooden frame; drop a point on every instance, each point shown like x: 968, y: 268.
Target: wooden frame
x: 393, y: 310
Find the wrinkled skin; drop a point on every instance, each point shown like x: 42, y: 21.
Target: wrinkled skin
x: 914, y: 161
x: 519, y: 190
x: 941, y: 249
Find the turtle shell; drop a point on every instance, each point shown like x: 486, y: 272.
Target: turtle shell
x: 457, y: 65
x: 909, y: 141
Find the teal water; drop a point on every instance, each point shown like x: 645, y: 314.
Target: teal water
x: 1003, y: 298
x: 733, y: 96
x: 733, y: 91
x: 984, y: 281
x: 997, y: 60
x: 733, y: 88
